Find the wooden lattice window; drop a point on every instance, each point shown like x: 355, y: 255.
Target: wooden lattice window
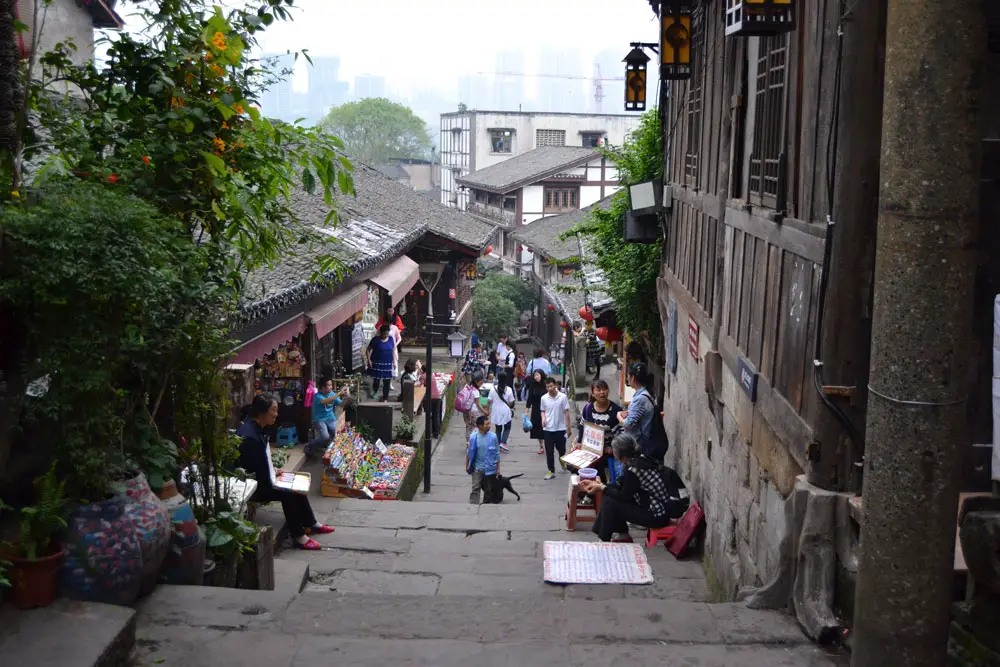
x: 550, y: 138
x: 767, y: 161
x: 692, y: 152
x: 561, y: 199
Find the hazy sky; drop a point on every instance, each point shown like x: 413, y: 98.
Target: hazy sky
x: 418, y: 44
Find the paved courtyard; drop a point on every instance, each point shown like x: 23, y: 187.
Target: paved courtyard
x: 440, y: 582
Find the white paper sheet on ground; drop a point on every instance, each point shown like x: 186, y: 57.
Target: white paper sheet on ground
x: 595, y: 563
x: 996, y: 388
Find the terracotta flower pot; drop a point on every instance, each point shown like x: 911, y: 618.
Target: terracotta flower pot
x: 33, y: 582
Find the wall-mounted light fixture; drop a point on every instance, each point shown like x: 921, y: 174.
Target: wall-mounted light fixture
x: 748, y: 18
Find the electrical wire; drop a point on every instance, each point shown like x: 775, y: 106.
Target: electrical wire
x: 831, y: 164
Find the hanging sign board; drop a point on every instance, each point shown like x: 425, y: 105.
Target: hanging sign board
x: 357, y: 345
x: 747, y: 376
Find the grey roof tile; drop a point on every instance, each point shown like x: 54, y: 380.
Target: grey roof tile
x: 528, y: 167
x: 543, y: 235
x: 377, y: 224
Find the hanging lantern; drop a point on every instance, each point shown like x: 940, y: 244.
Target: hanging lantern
x: 602, y: 333
x: 635, y: 80
x: 748, y: 18
x: 586, y: 314
x: 563, y: 324
x: 551, y: 308
x: 613, y: 335
x: 675, y: 40
x: 489, y: 249
x: 423, y: 293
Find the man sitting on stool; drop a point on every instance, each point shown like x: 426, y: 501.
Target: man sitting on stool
x: 647, y: 494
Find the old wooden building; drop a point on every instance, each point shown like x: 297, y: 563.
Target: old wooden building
x: 773, y: 150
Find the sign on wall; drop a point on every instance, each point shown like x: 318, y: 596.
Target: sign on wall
x: 672, y: 336
x: 357, y: 345
x: 747, y: 376
x: 693, y: 334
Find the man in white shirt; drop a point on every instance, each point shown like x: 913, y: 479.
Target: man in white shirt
x: 502, y: 349
x: 557, y: 428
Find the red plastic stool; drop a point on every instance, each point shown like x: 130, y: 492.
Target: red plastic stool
x: 654, y: 535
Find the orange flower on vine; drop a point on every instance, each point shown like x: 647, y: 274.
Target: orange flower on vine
x: 176, y: 102
x: 216, y: 70
x: 113, y: 178
x: 209, y: 56
x: 238, y: 108
x: 219, y: 41
x: 225, y: 125
x: 219, y: 144
x: 145, y: 159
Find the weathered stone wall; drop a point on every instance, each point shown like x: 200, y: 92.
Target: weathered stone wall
x: 740, y: 473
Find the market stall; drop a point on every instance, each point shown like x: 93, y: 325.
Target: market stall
x: 282, y: 373
x: 356, y: 468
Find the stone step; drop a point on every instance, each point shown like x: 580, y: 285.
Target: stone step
x: 489, y: 618
x: 67, y: 634
x: 229, y: 608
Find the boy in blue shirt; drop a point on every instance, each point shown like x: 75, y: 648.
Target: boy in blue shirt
x: 482, y: 458
x: 323, y: 417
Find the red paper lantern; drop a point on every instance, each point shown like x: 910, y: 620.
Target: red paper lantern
x: 489, y: 249
x: 586, y: 313
x: 614, y: 335
x: 563, y: 324
x: 551, y: 307
x: 602, y: 333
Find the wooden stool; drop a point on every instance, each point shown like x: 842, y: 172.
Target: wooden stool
x: 574, y: 505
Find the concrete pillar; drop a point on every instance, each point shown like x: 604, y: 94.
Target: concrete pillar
x: 921, y: 330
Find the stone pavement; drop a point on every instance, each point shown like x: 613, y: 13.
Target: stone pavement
x: 440, y: 582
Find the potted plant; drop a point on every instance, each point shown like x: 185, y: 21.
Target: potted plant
x: 405, y: 429
x: 35, y: 558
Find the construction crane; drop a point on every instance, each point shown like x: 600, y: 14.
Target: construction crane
x: 597, y: 79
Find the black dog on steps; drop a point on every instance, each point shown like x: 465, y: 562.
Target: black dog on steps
x: 494, y: 486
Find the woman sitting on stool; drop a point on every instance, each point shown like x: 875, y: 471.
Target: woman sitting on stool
x: 647, y: 494
x: 255, y: 458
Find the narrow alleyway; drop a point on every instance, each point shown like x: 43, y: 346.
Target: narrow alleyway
x: 440, y: 582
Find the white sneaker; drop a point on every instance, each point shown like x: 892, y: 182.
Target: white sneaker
x: 504, y: 447
x: 549, y: 475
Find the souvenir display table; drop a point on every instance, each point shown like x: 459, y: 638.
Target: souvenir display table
x: 356, y: 468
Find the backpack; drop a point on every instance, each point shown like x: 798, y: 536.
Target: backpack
x: 466, y: 398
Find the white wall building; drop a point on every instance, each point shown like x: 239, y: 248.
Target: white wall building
x: 475, y: 140
x: 550, y: 180
x: 64, y: 20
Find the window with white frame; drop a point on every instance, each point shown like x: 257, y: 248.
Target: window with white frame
x: 550, y: 138
x: 501, y: 140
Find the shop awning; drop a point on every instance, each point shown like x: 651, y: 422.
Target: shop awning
x: 398, y: 277
x: 338, y: 309
x: 268, y: 341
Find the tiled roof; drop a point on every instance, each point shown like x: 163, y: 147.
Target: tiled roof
x: 377, y: 224
x: 528, y: 167
x: 543, y: 236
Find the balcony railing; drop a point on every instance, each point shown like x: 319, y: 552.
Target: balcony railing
x: 492, y: 213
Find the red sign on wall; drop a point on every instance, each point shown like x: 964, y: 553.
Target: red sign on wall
x: 693, y: 330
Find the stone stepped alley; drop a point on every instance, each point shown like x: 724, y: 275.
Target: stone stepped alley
x: 440, y: 582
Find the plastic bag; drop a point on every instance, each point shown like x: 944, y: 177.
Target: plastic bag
x: 526, y: 423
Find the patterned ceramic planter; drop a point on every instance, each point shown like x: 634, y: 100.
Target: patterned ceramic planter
x: 184, y: 563
x: 152, y: 527
x: 103, y: 560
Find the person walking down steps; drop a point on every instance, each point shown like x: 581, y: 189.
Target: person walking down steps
x: 557, y: 426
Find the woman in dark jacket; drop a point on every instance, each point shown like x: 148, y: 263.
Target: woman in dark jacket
x: 647, y: 493
x: 536, y: 389
x: 255, y: 458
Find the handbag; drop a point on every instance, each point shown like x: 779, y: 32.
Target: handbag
x: 526, y: 422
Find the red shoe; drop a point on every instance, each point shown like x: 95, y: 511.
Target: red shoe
x: 319, y: 529
x: 541, y: 450
x: 309, y: 545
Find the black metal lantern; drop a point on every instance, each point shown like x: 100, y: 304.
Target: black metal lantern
x: 635, y: 80
x: 675, y: 39
x: 749, y: 18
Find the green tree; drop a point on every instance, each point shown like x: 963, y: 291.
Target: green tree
x: 498, y: 302
x: 375, y: 129
x: 631, y: 269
